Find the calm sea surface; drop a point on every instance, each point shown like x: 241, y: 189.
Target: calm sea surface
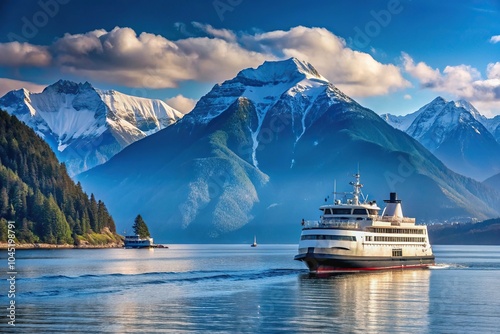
x: 239, y: 289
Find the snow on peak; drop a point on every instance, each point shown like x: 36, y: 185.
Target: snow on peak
x: 145, y: 114
x: 437, y: 120
x: 470, y: 108
x: 263, y: 86
x: 68, y: 87
x: 73, y: 115
x: 288, y: 70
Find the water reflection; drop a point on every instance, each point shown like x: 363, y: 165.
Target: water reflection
x: 373, y: 302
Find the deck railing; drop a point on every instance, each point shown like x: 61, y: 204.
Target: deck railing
x: 395, y: 220
x: 353, y: 223
x: 331, y: 223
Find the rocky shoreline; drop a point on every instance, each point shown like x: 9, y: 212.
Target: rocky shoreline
x: 5, y: 245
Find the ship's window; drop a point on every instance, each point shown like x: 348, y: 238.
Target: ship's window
x: 341, y: 211
x: 359, y: 212
x: 397, y: 252
x: 328, y: 211
x: 328, y: 237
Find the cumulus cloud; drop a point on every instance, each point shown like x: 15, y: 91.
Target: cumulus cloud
x: 181, y: 103
x: 461, y: 81
x: 6, y: 85
x: 17, y: 54
x: 356, y: 73
x: 148, y: 60
x: 121, y: 56
x: 495, y: 39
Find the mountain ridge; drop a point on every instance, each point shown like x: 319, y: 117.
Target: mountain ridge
x: 454, y: 132
x: 85, y: 126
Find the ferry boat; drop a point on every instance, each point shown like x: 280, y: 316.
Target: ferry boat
x: 352, y: 236
x: 135, y: 241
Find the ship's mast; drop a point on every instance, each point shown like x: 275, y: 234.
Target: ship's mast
x: 357, y: 189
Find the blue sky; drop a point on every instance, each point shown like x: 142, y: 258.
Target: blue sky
x: 390, y: 55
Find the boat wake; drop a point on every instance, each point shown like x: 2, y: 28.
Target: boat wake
x: 59, y: 285
x: 438, y: 266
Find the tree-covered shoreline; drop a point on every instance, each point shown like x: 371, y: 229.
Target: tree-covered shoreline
x: 37, y: 193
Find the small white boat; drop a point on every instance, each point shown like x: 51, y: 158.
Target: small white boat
x: 135, y: 241
x: 254, y: 242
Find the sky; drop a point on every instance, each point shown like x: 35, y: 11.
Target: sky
x: 392, y: 56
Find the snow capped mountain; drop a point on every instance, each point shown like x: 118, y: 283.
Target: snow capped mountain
x: 291, y: 84
x: 264, y: 86
x: 401, y: 122
x: 455, y: 133
x: 260, y: 151
x: 86, y: 126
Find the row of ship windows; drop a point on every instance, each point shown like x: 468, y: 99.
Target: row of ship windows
x: 397, y: 230
x: 353, y: 238
x: 328, y: 237
x: 395, y: 239
x: 349, y: 211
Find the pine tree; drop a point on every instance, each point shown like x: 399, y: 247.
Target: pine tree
x: 93, y: 215
x: 4, y: 202
x: 3, y: 230
x: 37, y: 192
x: 140, y: 227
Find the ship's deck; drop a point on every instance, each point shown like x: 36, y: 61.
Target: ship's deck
x: 356, y: 223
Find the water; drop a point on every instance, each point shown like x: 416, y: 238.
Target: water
x: 239, y: 289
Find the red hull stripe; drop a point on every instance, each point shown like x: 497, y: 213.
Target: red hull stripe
x: 325, y: 269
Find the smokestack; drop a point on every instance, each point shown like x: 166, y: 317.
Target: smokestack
x: 393, y: 208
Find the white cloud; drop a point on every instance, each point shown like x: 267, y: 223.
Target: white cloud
x: 356, y: 73
x: 462, y: 81
x: 495, y: 39
x: 181, y: 103
x: 493, y: 71
x: 146, y: 60
x: 17, y: 54
x: 407, y: 97
x: 224, y: 34
x: 121, y: 56
x: 427, y: 75
x: 6, y: 85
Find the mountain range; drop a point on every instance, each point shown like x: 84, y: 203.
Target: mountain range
x: 457, y: 134
x: 86, y: 126
x: 261, y: 151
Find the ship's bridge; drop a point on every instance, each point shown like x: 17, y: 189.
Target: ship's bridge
x: 360, y: 210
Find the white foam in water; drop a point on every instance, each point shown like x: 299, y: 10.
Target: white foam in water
x: 440, y: 266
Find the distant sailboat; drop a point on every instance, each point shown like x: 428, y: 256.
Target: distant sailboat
x: 254, y: 242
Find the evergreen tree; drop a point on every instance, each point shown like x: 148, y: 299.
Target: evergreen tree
x: 93, y: 215
x: 3, y: 230
x: 4, y: 202
x: 140, y: 227
x: 37, y: 192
